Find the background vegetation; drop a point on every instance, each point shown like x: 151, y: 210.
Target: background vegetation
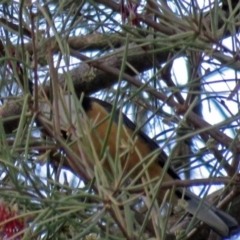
x: 171, y: 66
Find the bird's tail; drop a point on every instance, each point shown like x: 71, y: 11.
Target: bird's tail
x: 219, y: 221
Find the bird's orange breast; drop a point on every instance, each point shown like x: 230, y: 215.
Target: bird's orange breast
x: 132, y: 152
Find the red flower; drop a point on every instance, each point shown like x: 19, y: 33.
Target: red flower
x: 10, y: 224
x: 129, y: 11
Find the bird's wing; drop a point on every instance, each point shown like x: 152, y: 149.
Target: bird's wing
x: 129, y: 124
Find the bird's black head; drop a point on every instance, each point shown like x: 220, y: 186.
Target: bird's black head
x: 86, y: 103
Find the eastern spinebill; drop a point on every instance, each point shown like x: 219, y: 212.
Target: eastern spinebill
x: 98, y: 113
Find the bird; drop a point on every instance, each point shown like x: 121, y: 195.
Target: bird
x: 98, y: 113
